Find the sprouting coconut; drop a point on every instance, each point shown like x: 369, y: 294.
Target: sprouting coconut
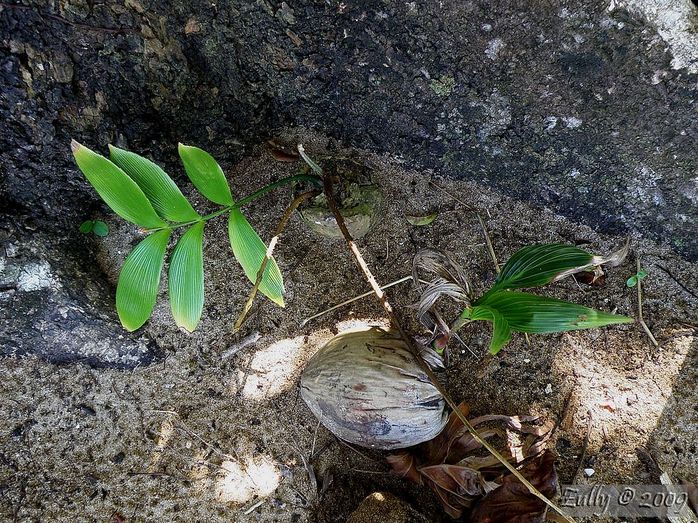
x: 366, y: 387
x: 357, y: 196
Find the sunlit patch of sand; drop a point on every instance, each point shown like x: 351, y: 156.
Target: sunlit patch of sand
x: 621, y: 401
x: 239, y: 482
x: 273, y: 369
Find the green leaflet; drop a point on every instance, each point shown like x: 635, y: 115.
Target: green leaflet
x: 206, y: 175
x: 118, y: 191
x: 100, y: 229
x: 250, y: 250
x: 186, y: 278
x: 139, y: 280
x: 537, y: 314
x: 501, y: 331
x: 421, y: 221
x: 87, y: 226
x: 168, y: 201
x: 97, y: 227
x: 537, y: 265
x: 633, y: 280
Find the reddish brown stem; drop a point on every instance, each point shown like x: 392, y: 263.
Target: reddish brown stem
x: 270, y: 251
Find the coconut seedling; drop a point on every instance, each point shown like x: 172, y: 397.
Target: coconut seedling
x: 141, y: 192
x: 337, y: 394
x: 368, y: 388
x: 504, y: 305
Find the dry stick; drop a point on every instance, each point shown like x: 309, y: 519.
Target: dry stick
x: 639, y: 307
x: 415, y: 352
x: 590, y: 424
x: 355, y: 298
x: 267, y: 256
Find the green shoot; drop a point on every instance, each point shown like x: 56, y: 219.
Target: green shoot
x: 639, y: 276
x: 514, y: 311
x: 141, y: 192
x: 96, y: 227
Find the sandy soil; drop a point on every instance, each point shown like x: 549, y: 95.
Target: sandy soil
x: 201, y: 437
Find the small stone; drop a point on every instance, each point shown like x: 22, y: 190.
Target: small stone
x: 572, y: 122
x: 548, y: 388
x: 385, y: 508
x: 589, y: 472
x: 286, y: 14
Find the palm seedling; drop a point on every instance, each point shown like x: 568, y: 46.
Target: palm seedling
x: 142, y: 193
x: 504, y: 305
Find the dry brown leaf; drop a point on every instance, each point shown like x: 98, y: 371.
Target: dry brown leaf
x: 512, y: 502
x: 281, y: 152
x: 453, y: 466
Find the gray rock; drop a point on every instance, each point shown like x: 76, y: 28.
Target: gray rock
x: 518, y: 96
x: 59, y: 311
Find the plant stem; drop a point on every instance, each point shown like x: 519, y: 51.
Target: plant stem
x: 283, y: 181
x: 247, y: 199
x: 413, y: 349
x: 270, y: 250
x: 639, y: 306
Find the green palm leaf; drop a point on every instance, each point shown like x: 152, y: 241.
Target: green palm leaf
x: 139, y: 280
x: 501, y: 331
x: 117, y: 190
x: 206, y: 175
x: 537, y: 314
x: 249, y: 250
x: 167, y: 199
x: 186, y: 278
x: 537, y: 265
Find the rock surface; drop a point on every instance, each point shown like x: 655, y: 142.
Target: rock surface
x: 56, y: 306
x: 589, y: 109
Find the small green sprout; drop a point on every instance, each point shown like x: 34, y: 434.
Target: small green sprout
x: 421, y: 220
x: 634, y: 279
x: 504, y: 305
x: 96, y: 227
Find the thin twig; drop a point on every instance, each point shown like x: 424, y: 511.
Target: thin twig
x: 251, y: 509
x: 639, y: 307
x: 352, y: 300
x: 245, y: 342
x: 352, y: 448
x: 677, y: 281
x: 380, y: 295
x: 267, y: 256
x: 460, y: 340
x: 193, y: 434
x: 312, y: 448
x: 490, y: 248
x: 590, y: 424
